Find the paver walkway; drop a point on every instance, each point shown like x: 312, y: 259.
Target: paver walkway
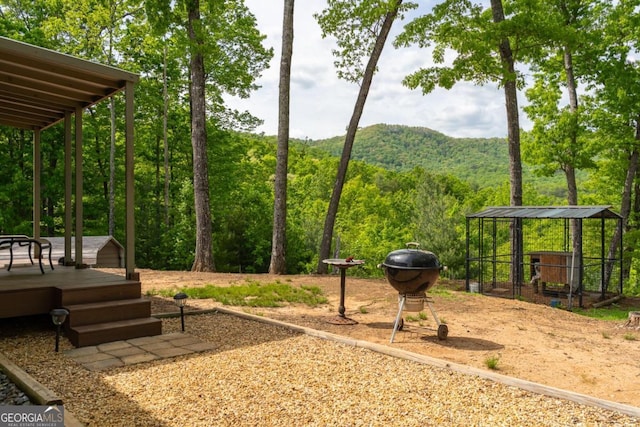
x: 137, y: 350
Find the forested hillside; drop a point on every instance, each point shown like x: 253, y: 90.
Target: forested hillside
x: 379, y: 212
x: 482, y: 162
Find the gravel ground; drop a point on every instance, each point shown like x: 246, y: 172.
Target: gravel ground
x: 10, y: 394
x: 264, y: 375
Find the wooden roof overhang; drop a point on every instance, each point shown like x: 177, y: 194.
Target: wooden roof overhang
x: 39, y: 88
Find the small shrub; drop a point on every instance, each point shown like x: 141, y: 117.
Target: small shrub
x: 492, y: 362
x: 629, y: 337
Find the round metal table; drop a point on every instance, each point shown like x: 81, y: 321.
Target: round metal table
x: 343, y: 264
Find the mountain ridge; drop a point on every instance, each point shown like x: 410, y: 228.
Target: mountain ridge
x: 479, y: 161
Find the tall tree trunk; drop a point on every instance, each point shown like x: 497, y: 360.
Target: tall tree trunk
x: 204, y: 253
x: 511, y: 103
x: 625, y: 204
x: 278, y: 264
x: 165, y: 137
x: 632, y: 226
x: 572, y: 90
x: 572, y: 185
x: 332, y: 212
x: 569, y: 170
x: 513, y: 134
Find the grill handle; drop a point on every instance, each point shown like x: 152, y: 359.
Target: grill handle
x: 415, y: 245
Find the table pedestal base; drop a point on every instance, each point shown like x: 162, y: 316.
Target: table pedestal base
x: 339, y: 320
x: 342, y: 264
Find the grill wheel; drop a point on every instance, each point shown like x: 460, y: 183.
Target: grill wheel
x: 443, y: 331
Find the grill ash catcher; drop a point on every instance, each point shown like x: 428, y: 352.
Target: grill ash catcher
x: 412, y: 272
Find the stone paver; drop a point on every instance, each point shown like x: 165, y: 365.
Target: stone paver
x: 138, y: 358
x: 82, y: 351
x: 137, y: 350
x: 101, y: 365
x: 117, y: 345
x: 201, y: 346
x: 127, y: 351
x: 156, y: 345
x: 171, y: 336
x: 90, y: 358
x: 171, y: 352
x: 142, y: 340
x: 184, y: 341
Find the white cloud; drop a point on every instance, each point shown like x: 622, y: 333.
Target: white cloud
x: 322, y: 105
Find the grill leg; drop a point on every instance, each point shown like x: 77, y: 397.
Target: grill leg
x: 433, y: 312
x: 397, y: 322
x: 443, y: 330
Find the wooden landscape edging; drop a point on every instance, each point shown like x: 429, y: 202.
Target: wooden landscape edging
x: 531, y: 386
x: 38, y: 393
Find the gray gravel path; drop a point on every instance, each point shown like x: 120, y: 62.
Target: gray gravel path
x: 10, y: 394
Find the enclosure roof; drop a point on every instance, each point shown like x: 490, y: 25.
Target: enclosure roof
x: 560, y: 212
x: 38, y: 85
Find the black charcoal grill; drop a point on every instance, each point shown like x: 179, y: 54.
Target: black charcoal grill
x: 412, y: 272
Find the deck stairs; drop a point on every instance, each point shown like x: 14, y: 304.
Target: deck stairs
x: 104, y: 313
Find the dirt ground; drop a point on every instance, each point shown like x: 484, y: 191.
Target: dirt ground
x: 535, y: 342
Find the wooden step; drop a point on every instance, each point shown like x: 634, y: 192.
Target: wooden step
x: 86, y: 335
x: 98, y: 293
x: 107, y: 311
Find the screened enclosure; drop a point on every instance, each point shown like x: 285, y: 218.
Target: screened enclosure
x: 564, y: 253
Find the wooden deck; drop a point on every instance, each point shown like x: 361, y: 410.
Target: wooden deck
x: 103, y: 306
x: 25, y: 290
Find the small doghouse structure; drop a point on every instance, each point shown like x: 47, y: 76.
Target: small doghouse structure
x: 97, y: 251
x: 536, y: 252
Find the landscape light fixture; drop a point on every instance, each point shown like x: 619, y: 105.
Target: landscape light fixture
x: 181, y: 300
x: 58, y: 316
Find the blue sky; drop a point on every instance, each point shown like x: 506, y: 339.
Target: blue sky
x: 322, y: 104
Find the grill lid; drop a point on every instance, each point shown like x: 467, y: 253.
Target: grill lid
x: 411, y: 259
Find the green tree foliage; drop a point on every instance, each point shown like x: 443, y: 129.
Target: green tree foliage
x: 614, y: 114
x: 549, y: 146
x: 568, y: 50
x: 403, y: 184
x: 440, y: 219
x: 16, y: 165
